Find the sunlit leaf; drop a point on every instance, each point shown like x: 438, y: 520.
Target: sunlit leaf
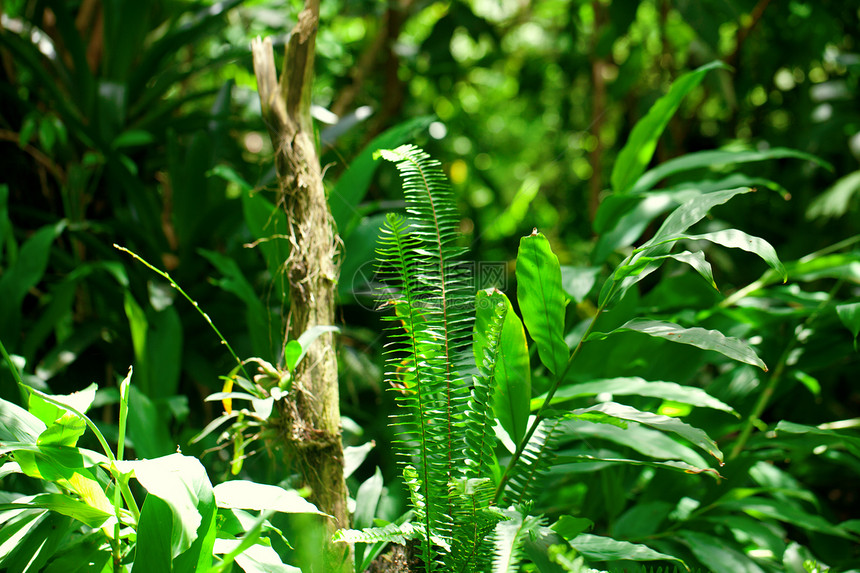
x: 642, y: 143
x: 635, y: 386
x: 242, y: 494
x: 733, y: 348
x: 542, y: 300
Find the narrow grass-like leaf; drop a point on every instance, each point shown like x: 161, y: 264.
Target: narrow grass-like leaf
x: 642, y: 143
x: 542, y: 300
x: 91, y: 516
x: 731, y: 347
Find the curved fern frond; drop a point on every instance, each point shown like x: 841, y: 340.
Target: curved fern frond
x: 534, y: 463
x: 429, y: 289
x: 391, y: 533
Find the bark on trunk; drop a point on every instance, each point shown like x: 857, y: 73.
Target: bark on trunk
x: 311, y: 415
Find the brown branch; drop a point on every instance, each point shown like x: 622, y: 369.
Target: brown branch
x: 310, y: 419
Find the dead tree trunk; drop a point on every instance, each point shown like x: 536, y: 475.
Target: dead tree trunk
x: 311, y: 415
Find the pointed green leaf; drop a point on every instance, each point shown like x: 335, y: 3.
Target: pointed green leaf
x: 849, y: 314
x: 693, y: 435
x: 640, y: 146
x: 542, y: 300
x: 513, y: 371
x: 733, y: 348
x: 18, y: 425
x: 735, y: 239
x: 704, y: 159
x: 63, y: 504
x: 635, y: 386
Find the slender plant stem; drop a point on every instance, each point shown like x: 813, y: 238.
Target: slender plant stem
x: 191, y: 300
x: 547, y: 401
x: 12, y: 366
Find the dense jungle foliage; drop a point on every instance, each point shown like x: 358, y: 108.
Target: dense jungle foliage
x: 597, y: 307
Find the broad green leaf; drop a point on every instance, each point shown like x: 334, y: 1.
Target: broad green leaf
x: 513, y: 370
x: 63, y: 504
x: 635, y: 386
x: 703, y: 159
x: 181, y: 482
x: 597, y: 548
x: 18, y: 425
x: 49, y: 412
x: 849, y: 314
x: 147, y: 429
x: 352, y: 186
x: 642, y: 520
x: 578, y: 281
x: 40, y: 543
x: 819, y: 436
x: 719, y: 555
x: 64, y: 431
x: 508, y: 539
x: 693, y: 435
x: 157, y: 528
x: 731, y: 347
x: 67, y: 468
x: 639, y: 149
x: 240, y: 494
x: 542, y: 300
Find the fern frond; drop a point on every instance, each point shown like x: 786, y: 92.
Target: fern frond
x: 430, y: 292
x: 474, y: 519
x: 509, y: 537
x: 391, y: 533
x: 479, y: 417
x: 533, y: 464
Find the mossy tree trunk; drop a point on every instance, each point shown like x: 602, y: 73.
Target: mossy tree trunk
x: 311, y: 415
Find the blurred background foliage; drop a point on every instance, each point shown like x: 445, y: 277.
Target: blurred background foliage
x: 138, y: 123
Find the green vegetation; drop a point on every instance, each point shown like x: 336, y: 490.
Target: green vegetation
x: 607, y: 321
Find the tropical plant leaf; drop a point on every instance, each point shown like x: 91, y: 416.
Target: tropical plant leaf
x: 635, y: 386
x: 598, y: 548
x: 693, y: 435
x: 542, y: 300
x: 242, y: 494
x: 849, y: 314
x: 702, y: 159
x: 720, y: 556
x: 733, y: 348
x: 637, y: 152
x: 512, y: 372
